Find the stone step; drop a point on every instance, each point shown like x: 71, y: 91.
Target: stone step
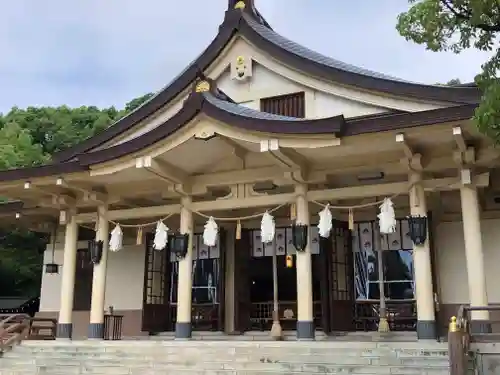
x: 224, y: 358
x: 254, y: 368
x: 180, y: 358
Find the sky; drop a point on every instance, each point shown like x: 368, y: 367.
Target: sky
x: 103, y: 53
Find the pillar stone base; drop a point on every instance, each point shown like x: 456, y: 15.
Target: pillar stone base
x: 183, y: 330
x: 64, y: 331
x: 426, y: 330
x: 480, y: 326
x: 305, y: 330
x: 96, y: 331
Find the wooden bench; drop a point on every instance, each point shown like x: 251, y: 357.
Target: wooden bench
x: 43, y: 329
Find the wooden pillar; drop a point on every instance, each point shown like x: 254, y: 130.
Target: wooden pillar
x: 185, y: 282
x: 305, y: 317
x: 96, y: 326
x: 475, y: 259
x: 65, y: 321
x: 426, y: 316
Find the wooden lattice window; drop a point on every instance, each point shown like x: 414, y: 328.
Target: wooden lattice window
x: 292, y: 105
x: 84, y: 272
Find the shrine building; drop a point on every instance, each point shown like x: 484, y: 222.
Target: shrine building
x: 260, y: 125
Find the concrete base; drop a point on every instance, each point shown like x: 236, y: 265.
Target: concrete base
x: 480, y: 326
x: 64, y: 331
x: 305, y: 330
x: 426, y: 330
x: 183, y: 330
x: 96, y: 331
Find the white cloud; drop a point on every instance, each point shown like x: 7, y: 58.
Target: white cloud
x: 108, y: 52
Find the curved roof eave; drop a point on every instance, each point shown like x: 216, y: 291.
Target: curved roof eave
x: 252, y: 26
x: 53, y: 169
x: 248, y: 119
x: 315, y: 64
x: 214, y: 105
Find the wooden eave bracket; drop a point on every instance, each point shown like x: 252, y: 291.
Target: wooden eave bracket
x: 407, y: 149
x: 296, y: 165
x: 465, y: 155
x: 88, y: 194
x: 237, y: 150
x: 175, y: 177
x: 55, y: 201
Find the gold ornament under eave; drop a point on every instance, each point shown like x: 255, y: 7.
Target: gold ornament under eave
x: 202, y: 86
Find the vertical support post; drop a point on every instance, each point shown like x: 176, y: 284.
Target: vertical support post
x: 456, y: 350
x: 475, y: 259
x: 65, y: 321
x: 276, y: 331
x: 96, y: 325
x: 426, y: 316
x: 383, y: 324
x: 305, y: 317
x: 185, y: 284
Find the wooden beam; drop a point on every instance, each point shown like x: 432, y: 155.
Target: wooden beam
x: 284, y: 158
x: 239, y: 151
x: 363, y: 191
x: 459, y: 139
x: 163, y: 170
x: 407, y: 149
x: 88, y: 194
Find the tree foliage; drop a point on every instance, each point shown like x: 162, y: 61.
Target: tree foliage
x: 29, y: 137
x: 457, y: 25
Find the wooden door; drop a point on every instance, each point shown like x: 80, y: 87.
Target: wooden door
x: 156, y: 313
x: 341, y: 278
x: 84, y: 273
x: 320, y: 265
x: 242, y: 254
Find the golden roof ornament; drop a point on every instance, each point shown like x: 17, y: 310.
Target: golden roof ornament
x: 202, y: 86
x: 240, y: 5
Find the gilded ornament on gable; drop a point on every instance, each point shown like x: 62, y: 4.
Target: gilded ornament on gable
x: 202, y: 86
x: 241, y: 68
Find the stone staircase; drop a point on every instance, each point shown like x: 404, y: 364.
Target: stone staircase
x: 224, y: 358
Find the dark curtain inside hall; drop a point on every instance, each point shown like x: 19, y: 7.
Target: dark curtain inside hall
x: 205, y: 277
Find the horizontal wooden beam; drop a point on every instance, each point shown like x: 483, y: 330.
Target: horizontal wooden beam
x: 364, y: 191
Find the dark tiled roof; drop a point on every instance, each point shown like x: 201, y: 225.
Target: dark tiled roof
x: 241, y: 110
x: 309, y: 54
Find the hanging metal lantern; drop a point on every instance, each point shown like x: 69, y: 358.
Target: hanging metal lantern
x: 52, y: 268
x: 179, y: 244
x: 95, y: 248
x: 418, y: 229
x: 299, y: 236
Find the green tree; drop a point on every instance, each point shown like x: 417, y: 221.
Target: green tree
x: 28, y: 137
x: 457, y: 25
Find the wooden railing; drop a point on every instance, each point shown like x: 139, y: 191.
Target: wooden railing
x: 461, y: 335
x: 13, y: 329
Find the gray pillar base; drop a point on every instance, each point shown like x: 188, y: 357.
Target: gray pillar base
x: 305, y: 330
x: 480, y: 326
x: 183, y: 330
x: 64, y: 331
x: 426, y: 330
x: 96, y: 331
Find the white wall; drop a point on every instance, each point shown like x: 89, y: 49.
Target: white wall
x: 124, y: 282
x: 266, y: 83
x: 450, y: 251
